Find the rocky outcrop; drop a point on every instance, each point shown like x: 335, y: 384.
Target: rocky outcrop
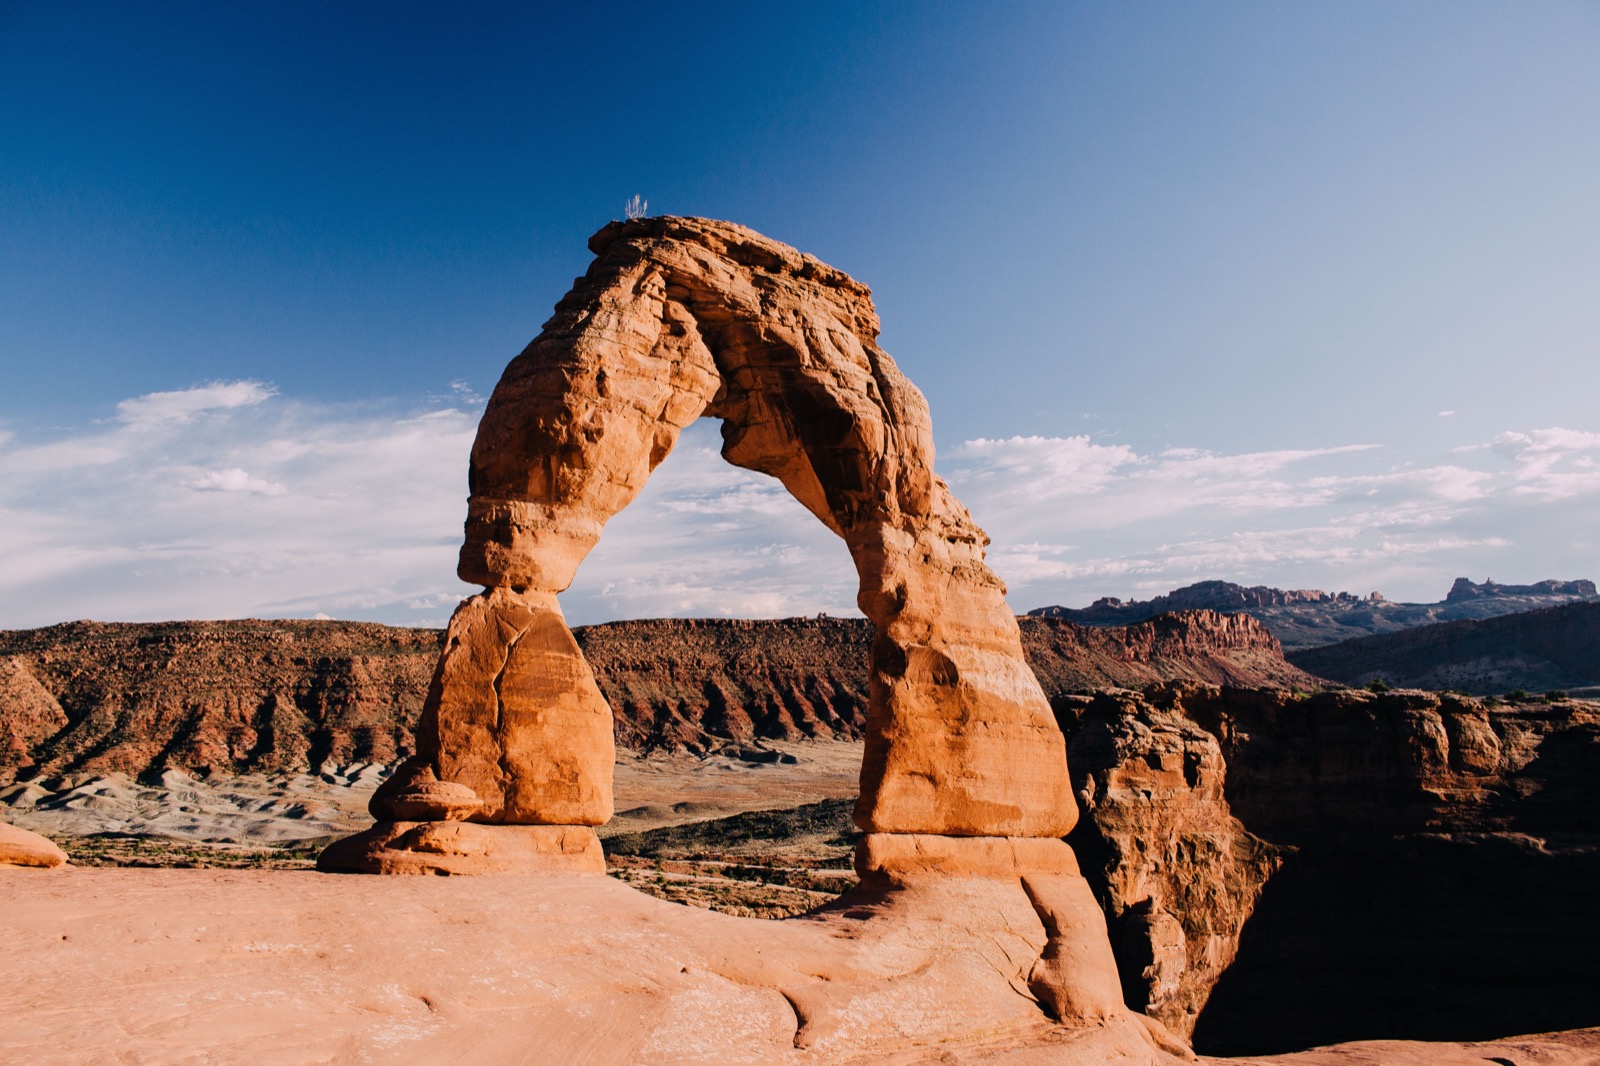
x: 1222, y: 596
x: 678, y: 319
x: 1437, y: 853
x: 21, y: 847
x: 1556, y: 648
x: 1307, y: 618
x: 1466, y: 590
x: 1175, y: 871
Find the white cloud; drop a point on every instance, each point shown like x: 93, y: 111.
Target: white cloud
x: 1554, y: 463
x: 157, y: 408
x: 229, y: 500
x: 234, y: 479
x: 1351, y: 516
x: 215, y: 502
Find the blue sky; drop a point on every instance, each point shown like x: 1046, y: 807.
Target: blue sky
x: 1288, y: 294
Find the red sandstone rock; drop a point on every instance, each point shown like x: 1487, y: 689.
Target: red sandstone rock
x: 1177, y: 873
x: 464, y: 848
x: 1438, y: 856
x: 19, y: 847
x: 675, y: 319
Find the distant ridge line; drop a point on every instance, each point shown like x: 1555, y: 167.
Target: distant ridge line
x: 1307, y: 618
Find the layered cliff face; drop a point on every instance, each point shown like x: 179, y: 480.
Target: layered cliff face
x: 1438, y: 857
x: 1445, y: 872
x: 694, y: 683
x: 94, y: 698
x: 91, y: 697
x: 1201, y: 646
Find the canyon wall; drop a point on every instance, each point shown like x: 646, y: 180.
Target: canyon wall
x: 91, y: 697
x: 1411, y: 865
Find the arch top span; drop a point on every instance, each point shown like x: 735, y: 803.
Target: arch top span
x: 679, y: 318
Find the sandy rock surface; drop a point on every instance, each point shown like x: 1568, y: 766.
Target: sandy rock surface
x: 170, y: 966
x: 286, y: 967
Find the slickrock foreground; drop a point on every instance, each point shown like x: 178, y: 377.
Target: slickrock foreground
x: 159, y: 966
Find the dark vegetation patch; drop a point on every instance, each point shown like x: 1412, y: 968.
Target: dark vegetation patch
x: 762, y: 864
x: 117, y: 849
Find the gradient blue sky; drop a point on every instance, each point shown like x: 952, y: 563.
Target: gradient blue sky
x: 1190, y: 287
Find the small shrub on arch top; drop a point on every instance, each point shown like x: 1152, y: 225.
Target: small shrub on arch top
x: 1377, y: 684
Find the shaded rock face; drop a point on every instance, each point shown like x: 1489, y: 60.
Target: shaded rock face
x: 679, y: 318
x: 1175, y: 871
x: 1438, y: 861
x: 1554, y: 648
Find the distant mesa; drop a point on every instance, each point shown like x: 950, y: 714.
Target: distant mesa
x: 1464, y: 590
x: 1308, y: 618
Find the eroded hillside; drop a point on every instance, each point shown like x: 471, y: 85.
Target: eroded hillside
x: 91, y: 697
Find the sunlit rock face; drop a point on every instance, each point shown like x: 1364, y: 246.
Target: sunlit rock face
x: 677, y: 319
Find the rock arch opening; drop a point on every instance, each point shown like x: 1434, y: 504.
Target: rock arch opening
x: 678, y: 319
x: 706, y: 539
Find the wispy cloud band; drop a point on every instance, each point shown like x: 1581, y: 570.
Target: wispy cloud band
x: 229, y: 499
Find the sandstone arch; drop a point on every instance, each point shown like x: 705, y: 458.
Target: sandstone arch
x: 676, y: 319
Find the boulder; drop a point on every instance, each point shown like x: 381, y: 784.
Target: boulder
x: 19, y: 847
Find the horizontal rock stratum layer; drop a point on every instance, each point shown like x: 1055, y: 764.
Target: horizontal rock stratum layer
x: 91, y: 697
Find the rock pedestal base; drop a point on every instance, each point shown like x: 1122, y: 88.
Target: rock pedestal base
x: 447, y: 848
x: 1075, y: 976
x: 897, y: 857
